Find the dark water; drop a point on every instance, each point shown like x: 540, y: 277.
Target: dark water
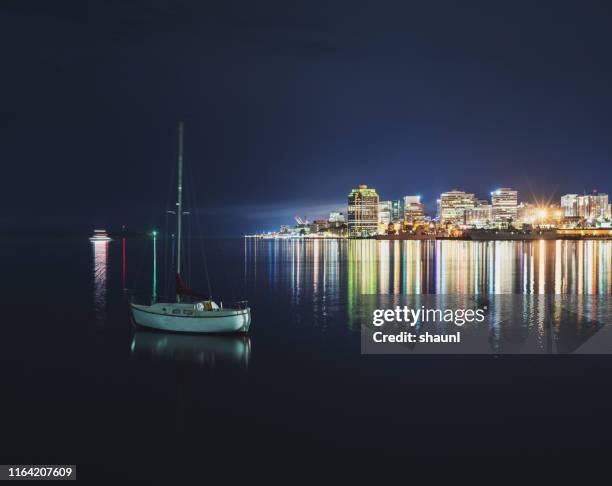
x: 82, y: 386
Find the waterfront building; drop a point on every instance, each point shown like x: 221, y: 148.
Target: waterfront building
x: 480, y: 216
x: 414, y: 209
x: 362, y: 212
x: 593, y: 206
x: 397, y: 210
x: 569, y: 203
x: 384, y: 213
x: 452, y: 206
x: 505, y: 205
x: 336, y: 217
x: 319, y: 225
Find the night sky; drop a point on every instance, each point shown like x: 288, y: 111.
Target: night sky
x: 288, y: 105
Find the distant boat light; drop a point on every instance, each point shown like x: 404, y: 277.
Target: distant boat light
x: 100, y: 235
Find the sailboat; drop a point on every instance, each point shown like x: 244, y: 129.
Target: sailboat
x: 200, y: 314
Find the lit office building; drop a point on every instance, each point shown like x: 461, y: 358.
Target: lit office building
x: 479, y: 216
x: 319, y: 225
x: 569, y: 203
x: 593, y: 206
x: 414, y: 209
x: 362, y: 212
x: 384, y: 213
x: 452, y: 206
x: 505, y: 205
x: 526, y: 213
x: 336, y: 217
x: 397, y: 210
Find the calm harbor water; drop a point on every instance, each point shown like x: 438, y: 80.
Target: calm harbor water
x: 83, y: 386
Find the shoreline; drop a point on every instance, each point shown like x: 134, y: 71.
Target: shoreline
x: 439, y: 238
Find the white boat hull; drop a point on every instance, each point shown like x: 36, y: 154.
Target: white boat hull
x: 187, y: 318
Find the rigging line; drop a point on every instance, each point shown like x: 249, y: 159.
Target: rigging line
x: 194, y: 206
x: 232, y: 283
x: 188, y: 249
x: 188, y: 202
x: 165, y: 266
x: 206, y: 270
x: 173, y: 251
x: 196, y: 216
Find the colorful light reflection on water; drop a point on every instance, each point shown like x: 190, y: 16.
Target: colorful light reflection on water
x: 438, y: 267
x: 332, y: 273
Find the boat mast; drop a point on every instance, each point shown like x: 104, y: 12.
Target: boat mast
x: 179, y: 203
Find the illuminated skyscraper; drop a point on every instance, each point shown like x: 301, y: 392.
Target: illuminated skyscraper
x: 385, y: 209
x: 363, y: 212
x: 479, y: 216
x: 414, y: 210
x: 505, y: 204
x: 397, y: 210
x: 593, y: 206
x: 452, y: 206
x: 569, y: 203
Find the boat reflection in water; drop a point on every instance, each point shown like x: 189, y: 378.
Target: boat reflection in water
x: 189, y: 349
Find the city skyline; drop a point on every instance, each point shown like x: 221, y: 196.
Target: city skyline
x: 414, y: 99
x: 504, y: 205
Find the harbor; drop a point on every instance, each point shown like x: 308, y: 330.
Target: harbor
x: 459, y: 215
